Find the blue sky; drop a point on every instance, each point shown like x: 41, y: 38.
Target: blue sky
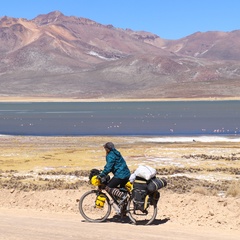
x: 169, y: 19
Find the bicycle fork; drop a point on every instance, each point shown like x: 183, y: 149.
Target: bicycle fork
x: 116, y: 207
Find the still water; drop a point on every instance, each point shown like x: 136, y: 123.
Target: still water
x: 171, y: 118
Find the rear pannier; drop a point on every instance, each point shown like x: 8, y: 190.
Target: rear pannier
x: 139, y: 194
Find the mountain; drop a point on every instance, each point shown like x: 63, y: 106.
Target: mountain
x: 61, y: 56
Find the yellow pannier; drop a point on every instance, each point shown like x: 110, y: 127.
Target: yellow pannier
x: 100, y: 200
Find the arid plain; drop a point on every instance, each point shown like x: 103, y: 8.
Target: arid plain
x: 48, y: 174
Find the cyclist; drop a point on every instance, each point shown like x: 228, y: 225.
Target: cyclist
x: 115, y: 164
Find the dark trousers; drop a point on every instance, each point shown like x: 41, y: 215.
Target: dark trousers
x: 114, y: 183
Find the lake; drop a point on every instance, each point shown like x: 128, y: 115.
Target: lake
x: 166, y: 118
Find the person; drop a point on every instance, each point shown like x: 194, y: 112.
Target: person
x: 116, y: 165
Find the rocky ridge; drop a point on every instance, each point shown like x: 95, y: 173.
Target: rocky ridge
x: 54, y: 55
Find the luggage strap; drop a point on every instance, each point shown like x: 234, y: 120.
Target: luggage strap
x: 140, y: 181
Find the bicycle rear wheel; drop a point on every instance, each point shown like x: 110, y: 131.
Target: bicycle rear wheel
x: 145, y: 217
x: 89, y: 210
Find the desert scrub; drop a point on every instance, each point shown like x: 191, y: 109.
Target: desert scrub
x: 234, y: 189
x: 201, y: 190
x: 205, y: 191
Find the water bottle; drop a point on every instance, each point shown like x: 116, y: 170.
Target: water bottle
x: 116, y: 208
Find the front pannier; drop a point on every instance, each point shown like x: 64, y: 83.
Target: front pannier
x: 100, y: 200
x: 155, y: 184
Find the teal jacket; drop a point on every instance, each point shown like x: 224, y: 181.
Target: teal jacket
x: 116, y: 165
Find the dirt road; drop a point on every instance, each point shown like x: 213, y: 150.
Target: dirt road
x: 16, y: 224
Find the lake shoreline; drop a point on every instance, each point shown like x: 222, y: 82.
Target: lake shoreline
x: 50, y: 99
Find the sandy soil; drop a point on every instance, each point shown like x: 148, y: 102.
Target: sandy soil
x: 53, y: 99
x: 28, y: 225
x: 52, y: 213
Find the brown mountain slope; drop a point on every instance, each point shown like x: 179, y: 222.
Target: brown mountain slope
x: 58, y: 56
x: 211, y: 45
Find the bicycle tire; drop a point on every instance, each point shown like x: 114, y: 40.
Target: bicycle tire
x: 88, y: 209
x: 140, y: 218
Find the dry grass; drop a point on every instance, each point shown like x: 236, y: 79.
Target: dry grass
x: 204, y: 191
x: 44, y: 154
x: 234, y: 189
x: 31, y: 153
x: 201, y: 190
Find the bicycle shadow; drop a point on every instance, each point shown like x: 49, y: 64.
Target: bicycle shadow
x: 160, y: 221
x: 115, y: 219
x: 119, y: 219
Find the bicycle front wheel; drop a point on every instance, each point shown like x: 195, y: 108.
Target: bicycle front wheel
x: 89, y: 210
x: 145, y: 217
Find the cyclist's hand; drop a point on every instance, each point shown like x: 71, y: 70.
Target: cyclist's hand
x: 102, y: 179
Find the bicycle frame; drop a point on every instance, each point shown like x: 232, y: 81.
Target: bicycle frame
x: 114, y: 201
